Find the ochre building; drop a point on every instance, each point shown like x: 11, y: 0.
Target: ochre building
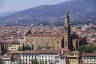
x: 53, y: 41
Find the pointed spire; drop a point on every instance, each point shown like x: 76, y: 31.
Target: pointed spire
x: 28, y: 32
x: 66, y: 14
x: 66, y: 31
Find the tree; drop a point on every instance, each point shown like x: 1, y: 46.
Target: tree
x: 51, y: 63
x: 21, y: 62
x: 19, y: 48
x: 32, y: 47
x: 34, y: 61
x: 87, y: 49
x: 45, y: 61
x: 1, y: 61
x: 23, y: 48
x: 26, y: 47
x: 41, y: 62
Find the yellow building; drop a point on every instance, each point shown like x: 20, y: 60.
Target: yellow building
x: 73, y: 58
x: 13, y: 47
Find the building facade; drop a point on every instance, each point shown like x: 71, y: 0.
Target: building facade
x: 73, y: 58
x: 14, y: 46
x: 53, y: 41
x: 89, y: 58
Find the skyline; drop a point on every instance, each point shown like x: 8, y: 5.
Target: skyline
x: 19, y: 5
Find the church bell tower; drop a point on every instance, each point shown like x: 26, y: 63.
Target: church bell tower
x: 67, y: 32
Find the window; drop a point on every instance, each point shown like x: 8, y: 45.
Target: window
x: 88, y: 59
x: 26, y: 60
x: 56, y: 57
x: 49, y: 60
x: 40, y: 59
x: 56, y: 61
x: 23, y: 60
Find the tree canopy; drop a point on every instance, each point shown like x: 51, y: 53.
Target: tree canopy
x: 87, y: 49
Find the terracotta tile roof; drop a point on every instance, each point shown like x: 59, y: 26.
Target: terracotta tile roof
x: 48, y: 51
x: 15, y: 57
x: 75, y: 52
x: 12, y: 43
x: 89, y: 54
x: 36, y: 52
x: 44, y: 35
x: 63, y: 55
x: 23, y: 52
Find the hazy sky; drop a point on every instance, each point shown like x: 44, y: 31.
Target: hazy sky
x: 12, y: 5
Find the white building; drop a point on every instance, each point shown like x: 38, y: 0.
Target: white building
x: 45, y: 56
x: 49, y: 56
x: 63, y: 59
x: 89, y: 58
x: 28, y: 56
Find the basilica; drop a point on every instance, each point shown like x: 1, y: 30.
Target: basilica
x: 68, y: 40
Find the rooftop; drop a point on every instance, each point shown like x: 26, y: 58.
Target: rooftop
x: 44, y: 35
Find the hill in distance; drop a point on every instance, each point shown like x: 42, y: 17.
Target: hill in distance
x: 80, y: 11
x: 7, y: 13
